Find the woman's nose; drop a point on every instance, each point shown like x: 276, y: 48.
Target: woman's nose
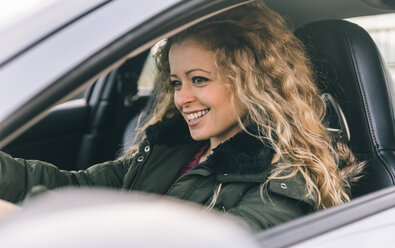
x: 184, y: 96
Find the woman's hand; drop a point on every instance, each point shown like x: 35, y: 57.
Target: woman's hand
x: 7, y: 208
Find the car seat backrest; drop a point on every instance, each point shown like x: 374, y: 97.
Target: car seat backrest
x: 348, y: 66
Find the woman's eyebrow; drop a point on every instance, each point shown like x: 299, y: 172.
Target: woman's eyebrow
x: 190, y: 71
x: 197, y: 69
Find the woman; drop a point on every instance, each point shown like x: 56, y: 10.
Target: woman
x: 236, y: 127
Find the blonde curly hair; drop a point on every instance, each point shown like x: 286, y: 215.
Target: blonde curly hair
x: 267, y: 69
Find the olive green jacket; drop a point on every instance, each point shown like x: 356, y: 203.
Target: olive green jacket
x: 241, y: 165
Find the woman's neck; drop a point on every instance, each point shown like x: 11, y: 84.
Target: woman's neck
x: 206, y: 153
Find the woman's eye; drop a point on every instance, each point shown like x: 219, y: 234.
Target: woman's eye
x: 175, y: 84
x: 199, y: 80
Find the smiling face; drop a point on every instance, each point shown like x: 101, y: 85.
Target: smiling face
x: 200, y: 93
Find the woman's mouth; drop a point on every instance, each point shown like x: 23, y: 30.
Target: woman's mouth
x: 192, y: 117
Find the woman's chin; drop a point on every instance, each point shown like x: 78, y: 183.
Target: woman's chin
x: 198, y: 136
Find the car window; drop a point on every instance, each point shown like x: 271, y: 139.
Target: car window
x: 382, y: 30
x: 147, y: 76
x: 145, y: 84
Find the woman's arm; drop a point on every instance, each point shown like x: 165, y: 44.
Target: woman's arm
x: 19, y: 176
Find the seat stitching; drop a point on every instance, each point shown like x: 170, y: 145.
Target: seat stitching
x: 363, y: 92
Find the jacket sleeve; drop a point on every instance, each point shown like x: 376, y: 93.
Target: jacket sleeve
x: 270, y: 210
x: 19, y: 176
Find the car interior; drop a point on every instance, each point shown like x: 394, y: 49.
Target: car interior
x: 88, y: 129
x: 98, y: 124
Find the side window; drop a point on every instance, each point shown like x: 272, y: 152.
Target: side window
x: 145, y: 84
x: 382, y: 29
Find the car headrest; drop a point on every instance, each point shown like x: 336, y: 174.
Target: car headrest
x: 348, y: 66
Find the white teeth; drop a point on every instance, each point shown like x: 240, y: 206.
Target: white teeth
x: 196, y: 115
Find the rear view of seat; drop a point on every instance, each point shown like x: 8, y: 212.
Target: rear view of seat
x: 349, y: 67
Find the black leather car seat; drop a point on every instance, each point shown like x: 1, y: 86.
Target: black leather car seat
x: 349, y: 67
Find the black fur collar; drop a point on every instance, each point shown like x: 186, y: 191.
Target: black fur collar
x: 172, y: 131
x: 241, y: 154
